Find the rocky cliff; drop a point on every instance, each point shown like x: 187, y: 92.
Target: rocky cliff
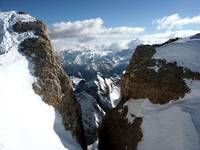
x: 52, y: 84
x: 158, y: 91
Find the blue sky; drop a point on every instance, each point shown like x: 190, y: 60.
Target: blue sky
x: 113, y: 13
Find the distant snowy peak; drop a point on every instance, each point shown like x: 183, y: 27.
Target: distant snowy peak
x: 86, y: 64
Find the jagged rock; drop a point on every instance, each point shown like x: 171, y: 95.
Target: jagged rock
x: 96, y: 97
x: 92, y: 115
x: 101, y: 89
x: 52, y: 83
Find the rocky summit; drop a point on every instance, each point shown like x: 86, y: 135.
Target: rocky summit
x: 158, y: 93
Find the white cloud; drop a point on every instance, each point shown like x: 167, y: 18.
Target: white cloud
x: 91, y: 33
x: 134, y: 43
x: 155, y: 38
x: 75, y: 29
x: 175, y: 21
x: 118, y: 45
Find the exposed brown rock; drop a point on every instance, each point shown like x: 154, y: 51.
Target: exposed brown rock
x: 38, y: 27
x: 116, y: 133
x: 52, y: 83
x: 141, y: 81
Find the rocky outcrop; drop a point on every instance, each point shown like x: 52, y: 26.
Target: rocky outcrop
x: 155, y: 79
x: 52, y: 84
x: 158, y: 80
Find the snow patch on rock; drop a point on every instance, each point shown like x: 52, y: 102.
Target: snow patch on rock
x: 155, y: 68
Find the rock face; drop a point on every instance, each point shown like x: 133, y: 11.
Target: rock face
x: 151, y: 78
x: 52, y: 83
x: 116, y: 133
x: 156, y: 79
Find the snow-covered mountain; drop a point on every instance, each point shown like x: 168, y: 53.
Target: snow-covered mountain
x: 96, y: 77
x: 35, y: 93
x: 153, y: 105
x: 160, y: 100
x: 86, y: 64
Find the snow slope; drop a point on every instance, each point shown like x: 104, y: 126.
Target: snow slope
x: 27, y: 123
x: 185, y: 52
x: 175, y: 125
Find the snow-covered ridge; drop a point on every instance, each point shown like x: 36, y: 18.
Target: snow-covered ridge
x: 186, y: 52
x: 26, y: 121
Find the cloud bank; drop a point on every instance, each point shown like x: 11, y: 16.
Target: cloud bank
x: 91, y: 34
x: 175, y: 21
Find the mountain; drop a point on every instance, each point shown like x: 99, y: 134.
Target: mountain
x: 96, y: 98
x: 86, y: 64
x: 160, y: 100
x: 153, y: 104
x: 95, y: 76
x: 38, y: 109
